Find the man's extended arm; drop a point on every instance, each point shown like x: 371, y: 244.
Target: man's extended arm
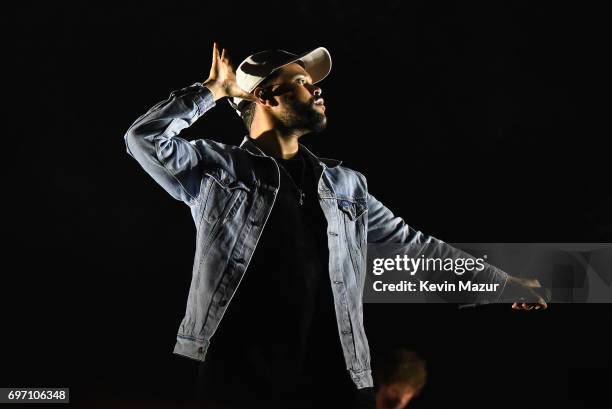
x: 385, y: 227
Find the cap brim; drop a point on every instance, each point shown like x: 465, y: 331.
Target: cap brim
x: 317, y: 64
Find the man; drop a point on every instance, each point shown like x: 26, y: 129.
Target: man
x: 281, y: 237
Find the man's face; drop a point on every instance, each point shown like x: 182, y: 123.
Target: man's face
x: 299, y: 103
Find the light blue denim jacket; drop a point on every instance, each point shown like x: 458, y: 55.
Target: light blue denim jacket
x: 231, y: 191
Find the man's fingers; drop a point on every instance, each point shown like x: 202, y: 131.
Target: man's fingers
x: 521, y: 306
x: 540, y: 305
x: 537, y: 301
x: 225, y: 57
x: 214, y: 54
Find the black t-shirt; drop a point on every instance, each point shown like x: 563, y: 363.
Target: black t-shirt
x: 280, y: 331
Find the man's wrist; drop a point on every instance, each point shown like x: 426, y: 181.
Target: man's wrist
x: 216, y: 90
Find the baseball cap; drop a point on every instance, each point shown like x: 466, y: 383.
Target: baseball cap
x: 256, y: 68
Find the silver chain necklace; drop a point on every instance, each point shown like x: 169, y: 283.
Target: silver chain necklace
x: 300, y: 192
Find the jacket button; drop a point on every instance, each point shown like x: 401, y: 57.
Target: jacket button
x: 333, y: 233
x: 337, y: 282
x: 346, y: 332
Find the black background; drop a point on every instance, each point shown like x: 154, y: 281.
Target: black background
x: 479, y: 122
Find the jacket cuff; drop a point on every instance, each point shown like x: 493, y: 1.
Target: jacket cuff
x: 201, y: 95
x: 203, y: 98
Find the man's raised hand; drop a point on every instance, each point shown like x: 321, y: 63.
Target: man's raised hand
x: 222, y: 78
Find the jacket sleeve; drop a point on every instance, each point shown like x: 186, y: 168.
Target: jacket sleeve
x: 385, y: 227
x: 152, y: 140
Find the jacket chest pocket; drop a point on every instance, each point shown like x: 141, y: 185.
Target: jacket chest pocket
x: 353, y: 213
x: 354, y: 219
x: 221, y: 197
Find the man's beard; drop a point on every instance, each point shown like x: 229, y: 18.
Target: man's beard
x: 302, y: 116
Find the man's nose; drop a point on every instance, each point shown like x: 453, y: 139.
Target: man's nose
x: 315, y: 90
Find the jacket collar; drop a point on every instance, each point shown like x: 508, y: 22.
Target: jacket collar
x: 249, y: 144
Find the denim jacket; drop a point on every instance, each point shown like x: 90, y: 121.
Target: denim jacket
x: 231, y: 191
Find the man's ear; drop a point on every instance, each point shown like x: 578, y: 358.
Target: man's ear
x: 264, y: 96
